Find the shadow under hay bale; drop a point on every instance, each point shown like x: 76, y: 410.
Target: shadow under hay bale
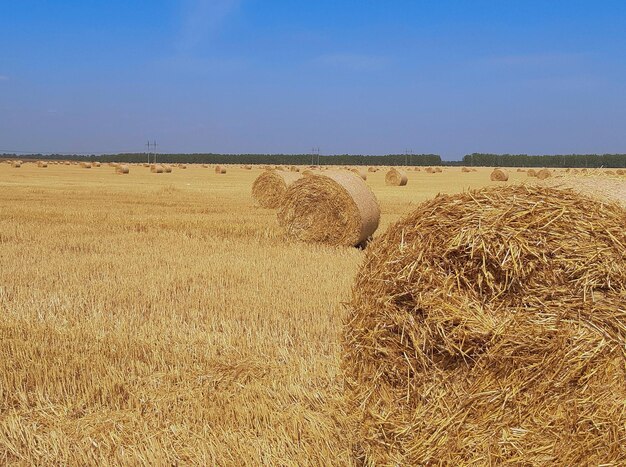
x: 488, y: 328
x: 336, y: 208
x: 396, y: 177
x: 270, y: 187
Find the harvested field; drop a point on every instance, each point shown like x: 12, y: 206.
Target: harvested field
x: 164, y: 320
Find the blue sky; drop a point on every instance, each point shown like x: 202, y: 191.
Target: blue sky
x: 363, y: 77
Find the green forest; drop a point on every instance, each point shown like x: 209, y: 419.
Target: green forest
x: 524, y: 160
x: 475, y: 159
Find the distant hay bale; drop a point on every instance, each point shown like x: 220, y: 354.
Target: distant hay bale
x: 220, y: 169
x: 293, y: 168
x: 417, y: 169
x: 270, y: 187
x: 521, y: 170
x: 620, y: 172
x: 543, y: 174
x: 429, y: 170
x: 438, y: 169
x: 465, y: 169
x: 122, y: 169
x: 499, y: 175
x: 488, y: 328
x: 396, y: 177
x: 167, y: 169
x: 531, y: 173
x: 182, y: 166
x: 248, y: 167
x: 145, y: 164
x: 85, y: 165
x: 96, y: 164
x: 42, y: 164
x: 156, y: 169
x: 371, y: 169
x: 336, y: 208
x: 359, y: 171
x: 16, y: 164
x: 609, y: 172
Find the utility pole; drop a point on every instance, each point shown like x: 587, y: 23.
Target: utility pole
x: 148, y: 146
x: 155, y: 152
x: 313, y: 152
x: 407, y: 156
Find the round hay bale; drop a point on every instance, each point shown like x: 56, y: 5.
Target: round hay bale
x: 543, y: 174
x: 372, y: 169
x: 438, y: 170
x: 96, y: 164
x: 620, y: 172
x: 429, y: 170
x: 269, y: 188
x: 85, y: 165
x: 359, y: 171
x: 220, y: 169
x: 167, y: 169
x: 488, y: 328
x: 42, y: 164
x: 465, y: 170
x: 521, y: 170
x: 16, y: 164
x: 396, y: 177
x: 248, y: 167
x: 531, y: 173
x: 336, y: 208
x: 609, y: 172
x: 156, y: 169
x: 499, y: 175
x: 122, y: 169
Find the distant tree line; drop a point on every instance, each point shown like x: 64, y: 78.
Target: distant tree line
x: 524, y: 160
x: 273, y: 159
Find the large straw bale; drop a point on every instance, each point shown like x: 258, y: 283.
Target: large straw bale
x: 499, y: 175
x: 220, y: 169
x: 489, y: 328
x: 16, y: 164
x: 396, y: 177
x: 336, y: 208
x: 269, y: 188
x: 157, y: 169
x: 543, y: 174
x: 122, y: 169
x: 531, y: 173
x: 42, y: 164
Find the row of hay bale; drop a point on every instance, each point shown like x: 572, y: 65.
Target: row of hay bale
x: 334, y: 207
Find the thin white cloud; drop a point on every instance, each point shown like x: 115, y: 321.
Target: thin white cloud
x: 353, y: 62
x: 202, y: 18
x: 540, y: 59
